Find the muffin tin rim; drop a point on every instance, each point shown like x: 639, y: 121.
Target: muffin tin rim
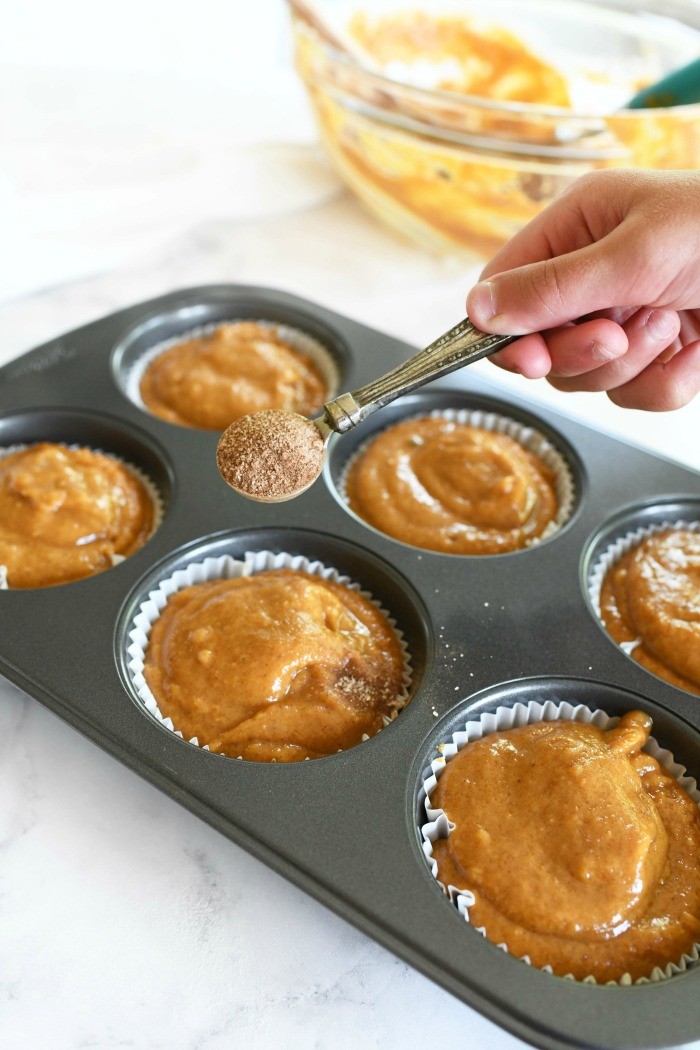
x: 120, y: 423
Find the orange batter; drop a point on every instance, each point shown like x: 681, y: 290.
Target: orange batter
x: 67, y: 513
x: 452, y: 487
x: 209, y: 380
x: 581, y: 851
x: 652, y: 596
x: 278, y: 666
x: 492, y: 63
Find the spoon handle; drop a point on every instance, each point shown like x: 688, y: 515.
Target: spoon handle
x: 458, y: 347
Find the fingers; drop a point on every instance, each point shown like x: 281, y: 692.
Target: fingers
x: 648, y: 333
x: 568, y: 351
x: 549, y: 293
x: 528, y: 357
x: 583, y: 347
x: 663, y: 386
x: 641, y: 364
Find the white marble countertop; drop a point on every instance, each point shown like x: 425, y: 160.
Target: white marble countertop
x: 124, y: 920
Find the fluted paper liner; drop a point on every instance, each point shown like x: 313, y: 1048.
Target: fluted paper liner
x: 527, y: 436
x: 227, y: 567
x: 150, y: 487
x: 438, y: 826
x: 299, y: 340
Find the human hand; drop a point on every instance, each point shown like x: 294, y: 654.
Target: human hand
x: 607, y: 280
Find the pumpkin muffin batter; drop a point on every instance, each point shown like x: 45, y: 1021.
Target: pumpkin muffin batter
x: 275, y: 667
x: 66, y: 513
x: 492, y: 63
x: 452, y: 487
x: 211, y: 379
x: 651, y: 597
x: 581, y: 852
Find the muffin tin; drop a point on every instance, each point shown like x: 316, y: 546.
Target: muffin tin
x: 481, y: 631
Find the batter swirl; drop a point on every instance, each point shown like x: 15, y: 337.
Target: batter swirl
x: 451, y: 487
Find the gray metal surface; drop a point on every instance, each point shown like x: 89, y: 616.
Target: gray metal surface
x: 345, y: 828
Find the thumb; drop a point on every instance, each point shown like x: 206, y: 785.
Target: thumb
x: 554, y: 291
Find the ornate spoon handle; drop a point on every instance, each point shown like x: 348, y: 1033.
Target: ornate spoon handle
x: 460, y: 346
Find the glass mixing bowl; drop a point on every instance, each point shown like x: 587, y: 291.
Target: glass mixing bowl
x: 460, y: 171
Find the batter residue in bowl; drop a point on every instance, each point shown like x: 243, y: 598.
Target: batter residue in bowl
x: 491, y: 62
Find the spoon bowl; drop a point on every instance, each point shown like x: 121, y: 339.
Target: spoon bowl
x: 272, y: 456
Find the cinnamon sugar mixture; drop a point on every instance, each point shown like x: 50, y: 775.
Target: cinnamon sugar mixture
x: 270, y: 455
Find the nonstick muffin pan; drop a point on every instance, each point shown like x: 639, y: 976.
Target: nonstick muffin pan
x: 481, y: 632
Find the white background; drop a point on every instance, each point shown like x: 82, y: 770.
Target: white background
x: 147, y: 147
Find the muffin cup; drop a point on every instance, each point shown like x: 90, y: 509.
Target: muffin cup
x: 528, y: 437
x: 228, y: 567
x: 615, y: 551
x: 438, y: 826
x: 136, y: 472
x: 299, y: 340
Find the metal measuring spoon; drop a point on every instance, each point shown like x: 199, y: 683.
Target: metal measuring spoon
x: 273, y: 456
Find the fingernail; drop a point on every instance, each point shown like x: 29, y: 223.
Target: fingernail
x: 601, y: 352
x: 661, y: 324
x: 482, y: 302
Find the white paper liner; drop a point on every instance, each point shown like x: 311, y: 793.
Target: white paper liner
x: 529, y: 437
x: 151, y: 489
x: 301, y: 341
x: 438, y: 826
x: 227, y: 567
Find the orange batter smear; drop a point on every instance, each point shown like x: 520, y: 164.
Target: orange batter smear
x: 209, y: 380
x: 581, y: 852
x: 67, y: 513
x: 492, y: 63
x: 452, y: 487
x: 279, y: 666
x: 651, y: 596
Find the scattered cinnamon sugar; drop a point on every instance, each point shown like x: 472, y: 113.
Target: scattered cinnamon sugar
x: 357, y: 692
x: 270, y: 455
x: 376, y: 693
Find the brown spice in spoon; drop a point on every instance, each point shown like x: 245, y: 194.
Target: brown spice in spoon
x: 270, y: 455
